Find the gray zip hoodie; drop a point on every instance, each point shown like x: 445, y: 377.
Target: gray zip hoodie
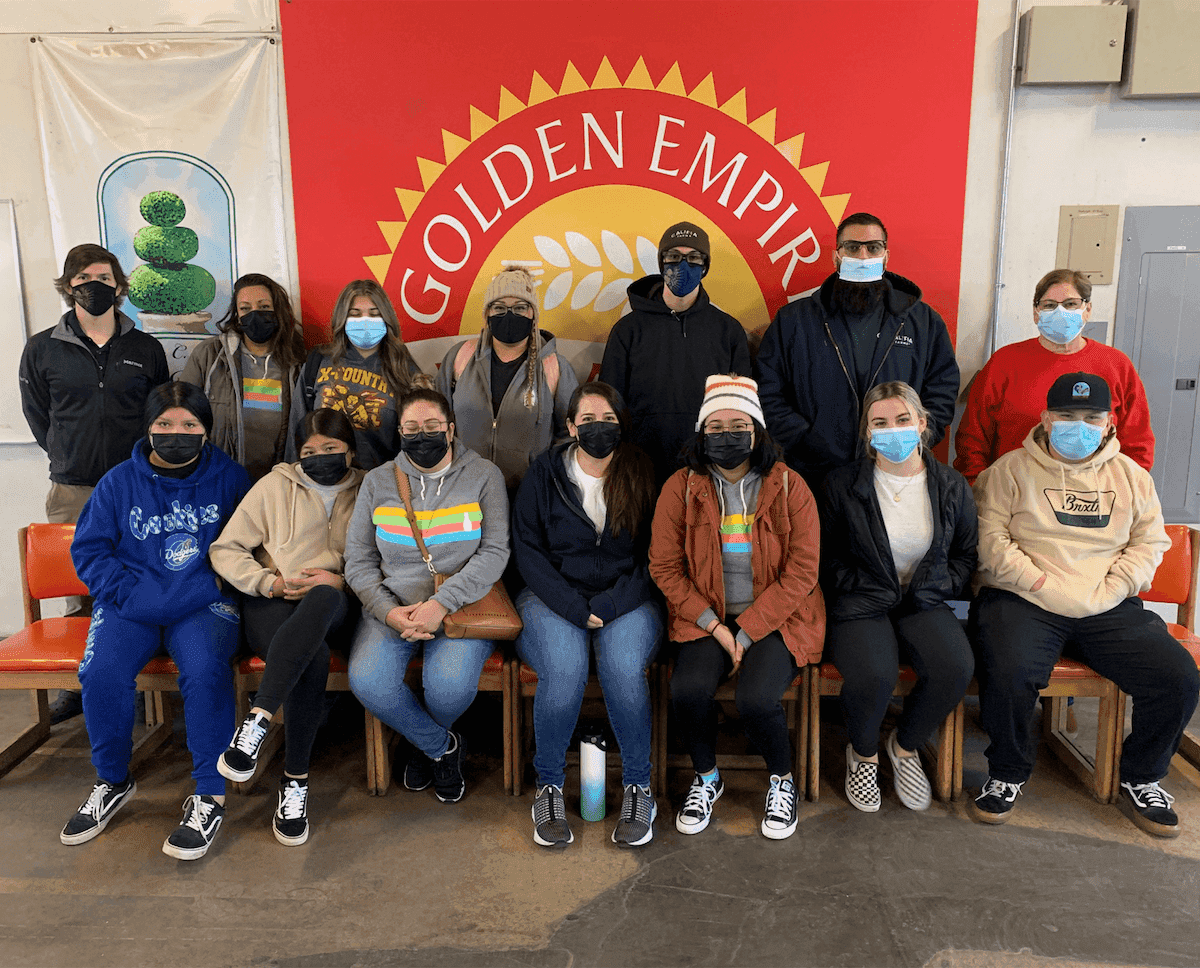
x: 463, y: 516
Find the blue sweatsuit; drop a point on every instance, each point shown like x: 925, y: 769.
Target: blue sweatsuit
x: 141, y: 547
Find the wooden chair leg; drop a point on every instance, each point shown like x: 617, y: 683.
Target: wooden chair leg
x: 379, y: 768
x: 814, y: 736
x: 800, y: 770
x: 158, y: 709
x: 1106, y: 776
x: 960, y: 725
x: 506, y: 692
x: 32, y: 736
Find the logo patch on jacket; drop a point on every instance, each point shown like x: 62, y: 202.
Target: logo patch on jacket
x: 903, y: 340
x: 441, y: 526
x: 1081, y: 509
x: 181, y: 551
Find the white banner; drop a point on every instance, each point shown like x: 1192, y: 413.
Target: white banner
x: 166, y: 152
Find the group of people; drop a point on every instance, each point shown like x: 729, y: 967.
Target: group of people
x: 345, y: 500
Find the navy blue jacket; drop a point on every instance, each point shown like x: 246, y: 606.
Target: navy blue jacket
x: 141, y: 544
x: 806, y: 381
x: 858, y: 574
x: 572, y: 569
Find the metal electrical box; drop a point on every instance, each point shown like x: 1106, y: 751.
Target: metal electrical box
x: 1087, y: 241
x: 1164, y: 49
x: 1071, y: 45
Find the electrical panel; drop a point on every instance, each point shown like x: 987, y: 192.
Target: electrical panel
x: 1071, y: 44
x: 1087, y: 241
x: 1164, y: 49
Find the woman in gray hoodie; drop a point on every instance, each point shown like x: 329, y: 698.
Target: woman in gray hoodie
x: 461, y: 507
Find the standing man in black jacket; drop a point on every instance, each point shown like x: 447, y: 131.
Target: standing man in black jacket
x: 822, y: 354
x: 660, y: 353
x: 84, y: 385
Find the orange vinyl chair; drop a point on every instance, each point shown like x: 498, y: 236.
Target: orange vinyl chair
x: 46, y: 653
x: 1175, y: 584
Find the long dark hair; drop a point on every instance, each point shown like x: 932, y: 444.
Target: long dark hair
x: 395, y: 360
x: 762, y: 458
x: 287, y: 345
x: 190, y: 397
x: 629, y: 490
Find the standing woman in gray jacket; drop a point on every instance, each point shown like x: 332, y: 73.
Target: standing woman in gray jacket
x: 510, y: 386
x: 247, y: 373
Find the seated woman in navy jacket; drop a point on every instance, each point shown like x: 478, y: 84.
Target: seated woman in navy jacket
x: 899, y: 536
x: 581, y: 530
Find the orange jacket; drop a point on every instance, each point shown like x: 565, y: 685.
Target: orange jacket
x: 685, y: 560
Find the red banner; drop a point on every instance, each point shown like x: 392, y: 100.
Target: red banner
x: 434, y: 142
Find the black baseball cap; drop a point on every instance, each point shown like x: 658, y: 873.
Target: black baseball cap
x: 1079, y: 391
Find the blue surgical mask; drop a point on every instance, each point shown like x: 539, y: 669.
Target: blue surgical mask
x: 1075, y: 439
x: 860, y: 270
x: 682, y: 277
x: 365, y: 332
x: 1060, y: 325
x: 895, y: 444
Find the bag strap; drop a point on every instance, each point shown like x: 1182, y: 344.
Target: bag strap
x: 311, y: 367
x: 551, y: 370
x: 461, y: 359
x: 406, y: 497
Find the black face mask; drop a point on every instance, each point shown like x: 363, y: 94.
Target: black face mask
x: 511, y: 327
x: 728, y: 449
x: 325, y: 469
x: 177, y: 448
x: 95, y: 297
x: 259, y: 325
x: 425, y: 450
x: 598, y: 438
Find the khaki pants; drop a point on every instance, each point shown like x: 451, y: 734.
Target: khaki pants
x: 64, y: 504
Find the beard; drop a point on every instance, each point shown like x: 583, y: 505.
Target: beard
x: 858, y: 298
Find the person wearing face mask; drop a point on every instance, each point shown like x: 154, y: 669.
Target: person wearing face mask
x: 84, y: 385
x: 460, y: 505
x: 1007, y: 394
x: 283, y: 549
x: 248, y: 373
x: 580, y: 531
x: 509, y: 387
x: 1070, y: 533
x: 362, y: 371
x: 734, y: 549
x: 141, y: 547
x: 659, y: 354
x: 822, y: 354
x: 899, y: 534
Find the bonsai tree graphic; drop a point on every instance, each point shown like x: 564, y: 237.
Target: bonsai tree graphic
x: 167, y: 285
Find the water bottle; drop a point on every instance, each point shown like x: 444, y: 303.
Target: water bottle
x: 592, y: 747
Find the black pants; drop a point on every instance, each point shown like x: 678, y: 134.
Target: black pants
x: 292, y: 638
x: 767, y: 671
x: 868, y: 653
x: 1018, y: 643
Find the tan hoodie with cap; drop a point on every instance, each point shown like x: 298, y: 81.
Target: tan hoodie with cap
x: 1093, y: 529
x: 280, y: 528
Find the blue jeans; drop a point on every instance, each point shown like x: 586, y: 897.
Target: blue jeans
x: 378, y: 660
x: 558, y: 652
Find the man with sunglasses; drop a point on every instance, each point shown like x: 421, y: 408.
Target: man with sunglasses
x: 823, y: 353
x: 660, y: 353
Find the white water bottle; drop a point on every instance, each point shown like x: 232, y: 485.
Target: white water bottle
x: 591, y: 776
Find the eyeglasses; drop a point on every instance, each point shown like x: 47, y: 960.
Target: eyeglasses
x: 854, y: 248
x: 1049, y: 305
x: 410, y: 430
x: 672, y: 257
x: 521, y: 309
x: 733, y: 427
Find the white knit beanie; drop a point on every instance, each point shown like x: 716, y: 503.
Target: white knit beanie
x: 726, y: 391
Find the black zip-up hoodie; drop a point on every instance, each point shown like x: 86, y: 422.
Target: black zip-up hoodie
x: 659, y: 359
x: 858, y: 573
x: 574, y: 570
x: 86, y: 420
x: 805, y: 373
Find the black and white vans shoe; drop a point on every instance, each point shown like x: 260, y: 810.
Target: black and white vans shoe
x: 290, y: 822
x: 97, y: 810
x: 240, y: 760
x: 202, y: 817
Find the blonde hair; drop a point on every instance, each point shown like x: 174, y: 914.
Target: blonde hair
x: 894, y: 389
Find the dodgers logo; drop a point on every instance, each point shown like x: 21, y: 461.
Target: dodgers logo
x: 180, y: 551
x: 1081, y: 391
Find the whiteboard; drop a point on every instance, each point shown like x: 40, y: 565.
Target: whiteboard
x: 13, y: 429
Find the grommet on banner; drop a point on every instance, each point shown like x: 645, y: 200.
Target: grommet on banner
x: 592, y: 748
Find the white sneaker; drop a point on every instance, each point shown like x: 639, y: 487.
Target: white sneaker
x: 912, y: 785
x: 862, y: 782
x: 698, y: 805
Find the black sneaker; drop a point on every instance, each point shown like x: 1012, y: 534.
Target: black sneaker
x: 68, y: 705
x: 418, y: 772
x: 698, y: 805
x: 448, y: 781
x: 779, y: 819
x: 638, y: 810
x: 1149, y: 806
x: 240, y: 760
x: 995, y: 800
x: 97, y: 810
x: 550, y: 828
x: 202, y: 817
x: 290, y: 822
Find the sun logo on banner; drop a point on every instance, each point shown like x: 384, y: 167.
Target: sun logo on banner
x: 578, y: 183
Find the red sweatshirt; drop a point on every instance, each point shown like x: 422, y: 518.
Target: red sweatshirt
x: 1009, y: 395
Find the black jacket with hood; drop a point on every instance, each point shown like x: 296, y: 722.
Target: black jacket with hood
x: 659, y: 359
x: 806, y: 382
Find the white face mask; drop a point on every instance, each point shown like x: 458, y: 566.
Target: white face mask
x: 860, y: 270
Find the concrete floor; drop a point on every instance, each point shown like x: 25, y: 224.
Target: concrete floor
x: 406, y: 880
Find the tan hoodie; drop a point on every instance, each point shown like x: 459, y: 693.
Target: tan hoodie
x: 1093, y: 529
x: 280, y: 528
